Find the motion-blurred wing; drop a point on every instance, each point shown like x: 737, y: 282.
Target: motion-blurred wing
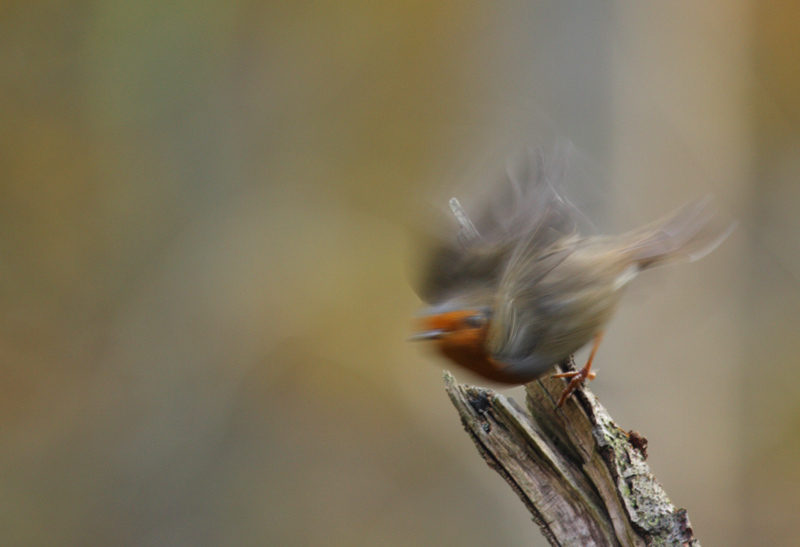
x: 517, y: 326
x: 526, y: 210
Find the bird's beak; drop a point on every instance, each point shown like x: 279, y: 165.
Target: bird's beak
x: 434, y: 334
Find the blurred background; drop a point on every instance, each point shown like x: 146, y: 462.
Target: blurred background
x: 205, y: 218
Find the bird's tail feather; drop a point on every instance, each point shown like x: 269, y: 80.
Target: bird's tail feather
x: 687, y: 234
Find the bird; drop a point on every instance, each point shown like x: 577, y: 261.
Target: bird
x: 521, y: 288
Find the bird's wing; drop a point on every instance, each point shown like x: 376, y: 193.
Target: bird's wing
x: 525, y: 211
x: 517, y: 326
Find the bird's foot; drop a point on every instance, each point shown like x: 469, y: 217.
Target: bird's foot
x: 578, y: 378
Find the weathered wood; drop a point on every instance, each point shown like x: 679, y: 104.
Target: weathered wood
x: 584, y: 480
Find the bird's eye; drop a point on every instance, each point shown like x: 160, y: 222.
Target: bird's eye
x: 476, y: 321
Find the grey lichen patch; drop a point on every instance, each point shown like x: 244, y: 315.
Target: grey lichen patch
x: 647, y: 504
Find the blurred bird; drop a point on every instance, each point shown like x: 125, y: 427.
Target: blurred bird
x: 520, y: 289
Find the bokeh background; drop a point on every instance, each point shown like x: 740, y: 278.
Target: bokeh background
x: 205, y: 211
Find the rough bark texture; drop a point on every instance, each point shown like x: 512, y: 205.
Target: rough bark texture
x: 584, y: 480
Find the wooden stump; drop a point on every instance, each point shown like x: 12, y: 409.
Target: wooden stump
x: 584, y: 480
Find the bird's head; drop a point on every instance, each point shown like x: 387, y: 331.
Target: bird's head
x: 460, y: 335
x: 466, y: 327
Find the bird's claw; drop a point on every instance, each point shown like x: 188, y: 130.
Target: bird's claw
x: 578, y: 378
x: 591, y: 375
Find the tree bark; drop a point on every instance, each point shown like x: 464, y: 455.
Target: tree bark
x: 584, y: 480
